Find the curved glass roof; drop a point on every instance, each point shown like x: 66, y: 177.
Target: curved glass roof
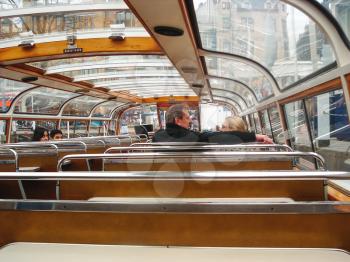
x: 227, y: 101
x: 47, y: 27
x: 139, y: 75
x: 235, y: 70
x: 340, y: 9
x: 229, y: 95
x: 9, y: 89
x: 43, y: 100
x: 278, y: 36
x: 105, y: 109
x: 19, y: 4
x: 81, y: 106
x: 234, y: 87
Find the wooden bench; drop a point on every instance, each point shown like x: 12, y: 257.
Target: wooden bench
x: 213, y: 224
x: 56, y: 252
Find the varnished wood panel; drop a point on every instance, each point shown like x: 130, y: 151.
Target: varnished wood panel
x: 96, y: 46
x: 297, y: 190
x: 238, y: 230
x: 199, y: 166
x: 325, y: 87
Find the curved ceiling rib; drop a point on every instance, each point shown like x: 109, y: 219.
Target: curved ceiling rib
x: 236, y: 82
x: 112, y: 65
x: 63, y: 8
x: 312, y: 10
x: 224, y: 100
x: 127, y: 74
x: 234, y: 103
x: 231, y: 92
x: 264, y: 71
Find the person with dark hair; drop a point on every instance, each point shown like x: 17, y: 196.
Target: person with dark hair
x: 40, y: 134
x: 177, y: 130
x: 56, y: 134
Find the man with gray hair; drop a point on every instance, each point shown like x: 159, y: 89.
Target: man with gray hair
x: 177, y: 130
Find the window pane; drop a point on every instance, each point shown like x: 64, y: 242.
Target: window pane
x: 298, y: 132
x: 9, y: 89
x: 43, y: 100
x: 81, y: 106
x: 22, y: 130
x: 275, y: 34
x: 74, y: 128
x: 251, y: 118
x: 105, y: 109
x: 142, y: 115
x: 3, y: 131
x: 276, y: 125
x: 265, y: 123
x: 257, y: 123
x: 330, y: 128
x: 213, y: 116
x: 55, y: 26
x: 98, y: 128
x: 232, y: 69
x: 341, y: 12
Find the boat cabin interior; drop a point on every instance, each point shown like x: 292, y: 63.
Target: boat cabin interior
x: 105, y: 76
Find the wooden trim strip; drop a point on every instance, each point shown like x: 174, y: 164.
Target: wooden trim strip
x: 327, y: 86
x: 96, y: 46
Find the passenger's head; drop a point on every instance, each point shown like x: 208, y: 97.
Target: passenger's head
x: 40, y: 134
x: 178, y: 114
x: 234, y: 123
x: 56, y: 134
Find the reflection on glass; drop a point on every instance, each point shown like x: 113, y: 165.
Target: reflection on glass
x: 22, y: 130
x: 330, y: 128
x: 74, y: 128
x: 236, y: 70
x: 98, y: 128
x: 43, y: 100
x: 2, y: 131
x: 9, y: 89
x: 235, y: 106
x: 341, y: 11
x: 89, y: 65
x: 141, y: 115
x: 265, y: 123
x: 298, y: 131
x: 252, y: 123
x: 229, y: 95
x: 234, y: 87
x: 8, y: 4
x: 105, y: 109
x: 81, y: 106
x: 213, y: 116
x: 29, y: 26
x: 276, y: 125
x: 257, y: 123
x: 273, y: 33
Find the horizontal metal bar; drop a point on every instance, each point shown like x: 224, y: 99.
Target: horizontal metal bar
x: 197, y: 155
x: 197, y: 148
x: 178, y: 206
x: 164, y: 175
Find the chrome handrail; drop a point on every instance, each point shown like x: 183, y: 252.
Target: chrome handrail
x: 198, y: 155
x: 165, y: 175
x: 197, y: 148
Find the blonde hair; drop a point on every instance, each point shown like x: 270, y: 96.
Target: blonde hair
x: 234, y: 123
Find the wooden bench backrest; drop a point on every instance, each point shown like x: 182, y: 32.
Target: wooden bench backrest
x: 298, y: 190
x: 224, y: 230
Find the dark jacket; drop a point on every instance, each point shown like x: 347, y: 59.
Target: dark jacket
x: 175, y: 133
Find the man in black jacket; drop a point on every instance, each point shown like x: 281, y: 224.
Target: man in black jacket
x: 177, y: 130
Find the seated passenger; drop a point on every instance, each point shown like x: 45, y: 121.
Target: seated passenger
x: 177, y: 130
x: 234, y: 123
x: 56, y: 134
x: 40, y: 134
